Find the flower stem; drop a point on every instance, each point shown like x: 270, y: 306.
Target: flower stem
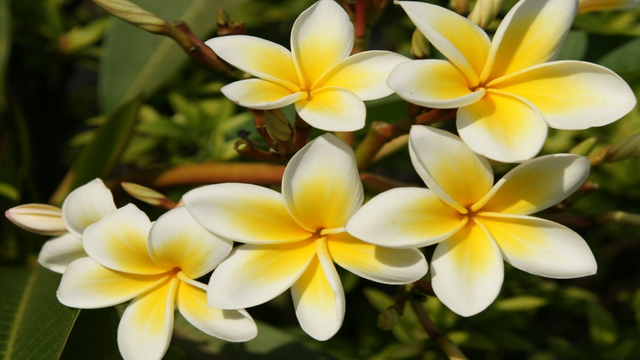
x: 446, y: 345
x: 301, y: 133
x: 196, y: 49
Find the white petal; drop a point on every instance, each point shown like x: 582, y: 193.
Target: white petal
x: 467, y: 270
x: 377, y: 263
x: 244, y: 212
x: 319, y: 298
x: 228, y: 325
x: 541, y: 247
x: 449, y: 168
x: 321, y: 37
x: 261, y: 94
x: 321, y: 184
x: 405, y: 218
x: 176, y: 240
x: 147, y: 324
x: 38, y: 218
x: 86, y: 205
x: 86, y: 284
x: 56, y: 254
x: 255, y: 274
x: 333, y: 109
x: 119, y: 242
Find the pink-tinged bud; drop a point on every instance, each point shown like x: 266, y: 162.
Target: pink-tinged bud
x: 148, y: 195
x: 38, y: 218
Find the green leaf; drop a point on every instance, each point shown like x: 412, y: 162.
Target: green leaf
x: 575, y: 46
x: 137, y: 62
x: 602, y: 326
x: 5, y: 36
x: 520, y: 303
x: 625, y: 59
x: 34, y: 324
x: 101, y: 156
x: 95, y: 334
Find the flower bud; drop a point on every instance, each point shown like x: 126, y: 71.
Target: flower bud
x: 600, y: 5
x: 624, y: 149
x: 280, y: 131
x: 485, y: 12
x: 134, y: 15
x: 148, y: 195
x: 388, y: 318
x: 420, y: 48
x: 584, y: 147
x: 38, y: 218
x: 223, y: 23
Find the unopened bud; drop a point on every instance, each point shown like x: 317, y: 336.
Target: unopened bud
x: 485, y: 12
x: 388, y: 318
x: 223, y: 23
x: 277, y: 125
x: 38, y: 218
x: 420, y: 48
x: 134, y: 15
x: 148, y: 195
x: 584, y: 147
x: 604, y: 5
x: 625, y: 149
x: 237, y: 27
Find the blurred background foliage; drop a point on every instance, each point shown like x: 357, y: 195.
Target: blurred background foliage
x: 84, y: 95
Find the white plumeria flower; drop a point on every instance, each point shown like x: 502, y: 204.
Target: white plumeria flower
x: 326, y: 84
x: 601, y: 5
x: 81, y: 208
x: 507, y: 90
x: 475, y: 223
x: 156, y: 267
x: 292, y: 239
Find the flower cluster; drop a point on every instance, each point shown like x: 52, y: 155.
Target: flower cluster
x: 507, y: 91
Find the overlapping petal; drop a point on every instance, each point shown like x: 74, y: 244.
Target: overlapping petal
x: 40, y: 219
x: 255, y: 274
x: 119, y: 242
x: 244, y: 212
x: 319, y: 298
x: 86, y: 284
x: 502, y: 127
x: 536, y: 184
x: 467, y: 271
x: 572, y: 94
x: 261, y: 94
x: 376, y: 263
x: 541, y: 247
x: 364, y: 74
x: 147, y: 323
x: 56, y: 254
x: 321, y: 184
x: 461, y: 41
x: 321, y: 37
x: 405, y: 217
x: 86, y: 205
x: 446, y: 165
x: 228, y: 325
x: 333, y: 109
x: 176, y: 240
x: 258, y: 57
x: 433, y: 83
x: 532, y: 33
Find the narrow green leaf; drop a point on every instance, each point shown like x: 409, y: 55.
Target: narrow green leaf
x: 34, y: 324
x: 94, y: 335
x: 520, y: 303
x: 100, y: 157
x: 602, y: 326
x: 5, y: 37
x: 135, y: 61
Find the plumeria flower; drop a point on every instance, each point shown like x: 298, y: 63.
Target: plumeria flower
x: 507, y: 90
x: 599, y: 5
x: 326, y: 84
x: 477, y: 224
x: 292, y: 239
x: 81, y: 208
x: 156, y: 267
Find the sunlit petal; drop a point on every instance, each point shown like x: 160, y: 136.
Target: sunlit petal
x: 176, y: 240
x: 244, y: 212
x: 405, y: 217
x: 448, y: 167
x: 260, y: 94
x: 461, y: 41
x: 258, y: 57
x: 56, y: 254
x: 147, y: 323
x: 532, y: 33
x: 88, y: 285
x: 86, y: 205
x: 321, y: 184
x: 228, y: 325
x: 502, y: 127
x: 537, y: 184
x: 364, y: 74
x: 333, y: 109
x: 321, y: 37
x: 376, y: 263
x: 255, y: 274
x: 541, y: 247
x: 38, y: 218
x: 467, y: 271
x: 119, y: 242
x: 572, y: 94
x: 319, y: 298
x: 433, y: 83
